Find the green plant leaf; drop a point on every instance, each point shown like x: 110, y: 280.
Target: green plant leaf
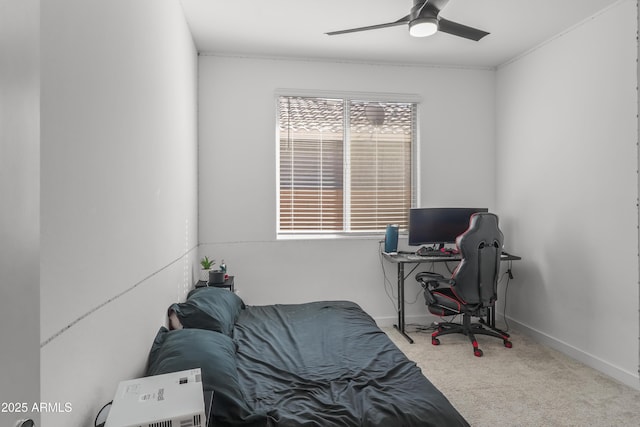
x: 207, y: 263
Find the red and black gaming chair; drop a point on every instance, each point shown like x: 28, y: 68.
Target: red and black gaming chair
x: 473, y: 285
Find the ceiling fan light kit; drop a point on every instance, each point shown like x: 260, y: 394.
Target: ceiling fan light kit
x: 423, y: 27
x: 424, y: 20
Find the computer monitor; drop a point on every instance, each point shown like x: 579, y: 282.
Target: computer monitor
x: 438, y: 226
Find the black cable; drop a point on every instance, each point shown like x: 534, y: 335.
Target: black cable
x: 446, y: 263
x: 415, y: 299
x: 434, y: 325
x: 100, y: 421
x: 422, y: 328
x: 411, y: 272
x: 387, y: 283
x: 509, y: 276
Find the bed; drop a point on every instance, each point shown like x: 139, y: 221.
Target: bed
x: 322, y: 363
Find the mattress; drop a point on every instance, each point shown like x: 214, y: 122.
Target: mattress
x: 323, y: 363
x: 328, y: 364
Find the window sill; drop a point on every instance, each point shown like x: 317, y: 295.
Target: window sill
x: 333, y: 236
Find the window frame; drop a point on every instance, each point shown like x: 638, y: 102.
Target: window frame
x: 347, y: 96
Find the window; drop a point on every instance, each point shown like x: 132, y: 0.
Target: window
x: 344, y: 165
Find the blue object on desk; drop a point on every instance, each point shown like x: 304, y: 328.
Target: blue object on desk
x: 391, y: 239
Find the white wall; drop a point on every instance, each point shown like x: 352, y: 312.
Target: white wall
x: 118, y: 191
x: 567, y: 185
x: 237, y: 173
x: 19, y: 196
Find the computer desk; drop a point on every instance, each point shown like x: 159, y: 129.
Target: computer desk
x: 402, y: 258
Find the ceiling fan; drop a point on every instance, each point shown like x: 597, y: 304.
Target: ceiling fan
x: 424, y: 20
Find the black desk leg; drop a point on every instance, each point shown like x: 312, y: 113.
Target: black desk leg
x: 401, y: 324
x: 493, y: 316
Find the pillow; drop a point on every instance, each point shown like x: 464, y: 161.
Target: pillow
x: 214, y: 354
x: 211, y: 308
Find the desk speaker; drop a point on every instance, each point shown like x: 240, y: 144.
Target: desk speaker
x: 391, y: 238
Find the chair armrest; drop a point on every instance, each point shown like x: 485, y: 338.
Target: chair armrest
x: 430, y: 279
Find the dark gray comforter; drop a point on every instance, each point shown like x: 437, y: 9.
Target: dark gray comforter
x: 328, y: 364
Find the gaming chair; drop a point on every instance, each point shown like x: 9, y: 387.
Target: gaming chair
x: 472, y: 286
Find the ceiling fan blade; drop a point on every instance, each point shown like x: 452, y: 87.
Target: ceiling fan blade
x: 460, y: 30
x: 401, y: 21
x: 438, y: 4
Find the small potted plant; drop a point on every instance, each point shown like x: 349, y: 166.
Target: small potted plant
x: 207, y: 265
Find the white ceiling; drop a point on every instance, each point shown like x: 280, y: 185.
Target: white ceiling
x: 295, y: 28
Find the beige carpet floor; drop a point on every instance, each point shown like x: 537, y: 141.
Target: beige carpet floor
x: 527, y: 385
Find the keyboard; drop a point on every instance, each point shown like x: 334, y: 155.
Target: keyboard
x: 432, y: 254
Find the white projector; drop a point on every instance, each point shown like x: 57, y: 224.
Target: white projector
x: 168, y: 400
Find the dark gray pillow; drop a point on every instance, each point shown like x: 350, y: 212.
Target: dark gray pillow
x: 214, y: 354
x: 215, y: 309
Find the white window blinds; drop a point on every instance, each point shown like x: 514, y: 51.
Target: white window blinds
x: 344, y: 165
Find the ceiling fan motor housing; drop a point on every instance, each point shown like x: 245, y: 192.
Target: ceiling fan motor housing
x: 423, y: 19
x: 422, y: 10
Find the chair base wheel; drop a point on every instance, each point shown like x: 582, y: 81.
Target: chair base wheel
x: 470, y: 330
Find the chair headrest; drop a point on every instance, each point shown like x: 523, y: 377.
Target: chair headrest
x: 483, y: 226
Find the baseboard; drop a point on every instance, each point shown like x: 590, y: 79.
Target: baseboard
x: 421, y: 319
x: 625, y: 377
x: 630, y: 379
